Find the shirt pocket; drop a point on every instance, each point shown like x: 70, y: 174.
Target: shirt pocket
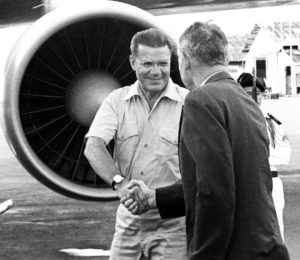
x: 168, y: 141
x: 125, y: 143
x: 126, y: 133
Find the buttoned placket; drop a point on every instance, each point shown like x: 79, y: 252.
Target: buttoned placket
x: 144, y: 142
x: 141, y: 143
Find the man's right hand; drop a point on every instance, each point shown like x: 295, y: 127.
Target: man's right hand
x: 140, y: 198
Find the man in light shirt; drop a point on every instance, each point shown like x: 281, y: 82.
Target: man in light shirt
x: 143, y: 119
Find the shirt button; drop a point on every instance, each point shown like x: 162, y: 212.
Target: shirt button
x: 145, y: 145
x: 142, y: 173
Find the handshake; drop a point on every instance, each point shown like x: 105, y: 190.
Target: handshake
x: 136, y: 196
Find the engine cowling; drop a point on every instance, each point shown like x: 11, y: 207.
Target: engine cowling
x: 57, y: 76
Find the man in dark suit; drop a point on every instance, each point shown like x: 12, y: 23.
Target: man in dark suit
x: 223, y: 152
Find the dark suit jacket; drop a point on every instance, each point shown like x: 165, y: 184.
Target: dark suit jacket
x: 226, y: 177
x: 170, y: 201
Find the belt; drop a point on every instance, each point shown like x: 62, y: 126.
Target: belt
x: 274, y: 174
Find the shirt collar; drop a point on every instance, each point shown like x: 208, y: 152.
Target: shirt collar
x: 133, y: 91
x: 210, y: 76
x: 170, y: 92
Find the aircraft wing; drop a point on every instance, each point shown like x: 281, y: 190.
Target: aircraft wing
x: 16, y: 11
x: 162, y: 7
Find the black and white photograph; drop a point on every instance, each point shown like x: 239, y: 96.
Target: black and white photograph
x: 149, y: 130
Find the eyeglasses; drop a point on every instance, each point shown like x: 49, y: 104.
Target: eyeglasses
x: 150, y: 65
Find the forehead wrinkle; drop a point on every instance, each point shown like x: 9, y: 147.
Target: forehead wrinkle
x: 154, y: 54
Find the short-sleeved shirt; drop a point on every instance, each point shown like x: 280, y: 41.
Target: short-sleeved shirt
x: 146, y: 142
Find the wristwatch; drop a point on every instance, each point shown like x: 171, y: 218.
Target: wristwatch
x: 116, y: 180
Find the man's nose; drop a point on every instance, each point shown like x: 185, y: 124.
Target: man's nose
x: 155, y: 68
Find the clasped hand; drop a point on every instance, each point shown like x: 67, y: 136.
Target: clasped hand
x: 137, y: 197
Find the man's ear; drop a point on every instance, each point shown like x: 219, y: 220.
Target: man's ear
x: 185, y: 62
x: 132, y: 62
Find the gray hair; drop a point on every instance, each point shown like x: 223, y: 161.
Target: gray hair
x: 206, y: 43
x: 152, y: 37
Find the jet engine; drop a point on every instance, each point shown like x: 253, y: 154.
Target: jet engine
x: 56, y: 77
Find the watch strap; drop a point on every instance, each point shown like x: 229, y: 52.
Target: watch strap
x: 117, y: 179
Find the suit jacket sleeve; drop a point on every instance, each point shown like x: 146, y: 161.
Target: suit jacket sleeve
x: 170, y: 201
x: 207, y: 167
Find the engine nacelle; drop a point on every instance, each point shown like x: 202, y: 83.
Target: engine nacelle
x: 57, y: 76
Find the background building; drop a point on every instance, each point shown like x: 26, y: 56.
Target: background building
x: 272, y: 52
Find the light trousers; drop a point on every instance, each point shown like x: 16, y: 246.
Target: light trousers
x: 278, y: 198
x: 148, y: 237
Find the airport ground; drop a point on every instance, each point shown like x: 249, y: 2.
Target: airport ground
x: 42, y: 222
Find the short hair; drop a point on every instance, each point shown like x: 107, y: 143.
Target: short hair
x: 154, y: 38
x: 205, y: 42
